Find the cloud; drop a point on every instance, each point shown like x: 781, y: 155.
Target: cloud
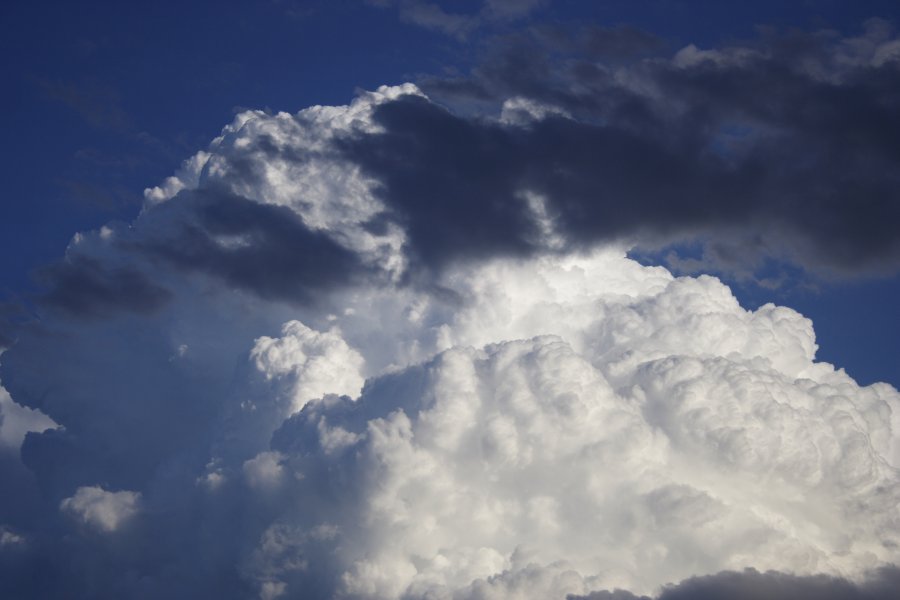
x: 101, y: 509
x: 263, y: 471
x: 751, y: 584
x: 686, y: 448
x: 431, y: 15
x: 784, y: 139
x: 85, y: 287
x: 16, y: 421
x: 313, y: 363
x: 250, y: 245
x: 587, y: 423
x: 389, y: 350
x: 506, y: 9
x: 778, y: 149
x: 583, y: 117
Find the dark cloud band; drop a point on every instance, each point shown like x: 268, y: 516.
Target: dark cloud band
x: 750, y: 584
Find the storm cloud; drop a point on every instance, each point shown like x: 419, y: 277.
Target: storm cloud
x: 396, y: 350
x: 781, y: 148
x: 752, y: 585
x: 250, y: 245
x: 786, y: 141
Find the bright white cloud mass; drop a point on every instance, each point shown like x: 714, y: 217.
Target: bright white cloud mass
x: 257, y: 394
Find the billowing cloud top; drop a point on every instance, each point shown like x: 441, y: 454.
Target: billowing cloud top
x: 387, y: 351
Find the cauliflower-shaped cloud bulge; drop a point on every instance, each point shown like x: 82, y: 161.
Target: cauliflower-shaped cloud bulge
x: 291, y: 161
x: 101, y: 509
x: 520, y: 425
x: 571, y: 470
x: 315, y: 363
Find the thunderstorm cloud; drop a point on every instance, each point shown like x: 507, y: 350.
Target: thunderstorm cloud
x: 397, y: 350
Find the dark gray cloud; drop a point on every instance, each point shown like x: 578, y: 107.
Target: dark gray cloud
x: 431, y: 15
x: 84, y: 286
x: 789, y: 140
x: 265, y: 249
x: 750, y: 584
x: 450, y: 181
x: 458, y: 183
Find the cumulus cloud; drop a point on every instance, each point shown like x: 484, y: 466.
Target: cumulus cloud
x: 587, y: 423
x: 571, y: 123
x: 389, y: 186
x: 101, y: 509
x: 314, y: 363
x: 16, y: 421
x: 388, y: 351
x: 683, y: 454
x: 263, y: 471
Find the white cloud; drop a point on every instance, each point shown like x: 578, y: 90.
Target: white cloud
x: 264, y: 471
x: 312, y: 363
x: 516, y: 428
x: 17, y: 420
x: 465, y: 466
x: 100, y: 508
x: 522, y: 111
x: 288, y: 160
x: 9, y: 538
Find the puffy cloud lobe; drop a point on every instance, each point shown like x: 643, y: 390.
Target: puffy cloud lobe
x: 16, y: 421
x: 454, y: 473
x: 315, y: 363
x: 101, y: 509
x: 402, y: 416
x: 290, y: 161
x: 263, y: 471
x: 458, y: 474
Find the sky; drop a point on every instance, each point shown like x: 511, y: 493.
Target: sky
x: 477, y: 299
